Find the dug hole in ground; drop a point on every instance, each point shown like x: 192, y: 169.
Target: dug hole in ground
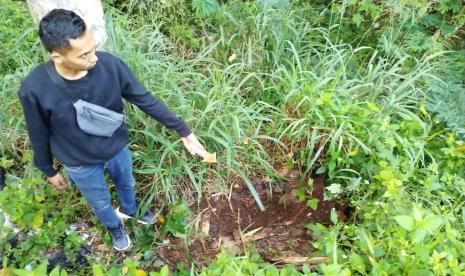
x: 279, y: 234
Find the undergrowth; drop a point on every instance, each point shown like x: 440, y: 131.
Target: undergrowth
x: 369, y: 93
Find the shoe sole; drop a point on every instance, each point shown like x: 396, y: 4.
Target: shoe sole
x: 125, y: 248
x: 123, y: 217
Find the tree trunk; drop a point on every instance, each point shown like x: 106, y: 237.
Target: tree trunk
x: 90, y: 10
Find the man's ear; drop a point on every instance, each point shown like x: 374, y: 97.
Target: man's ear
x: 56, y: 57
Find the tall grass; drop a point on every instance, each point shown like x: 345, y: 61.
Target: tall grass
x: 289, y: 83
x: 264, y: 88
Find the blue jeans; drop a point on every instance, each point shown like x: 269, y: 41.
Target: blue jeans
x: 90, y: 181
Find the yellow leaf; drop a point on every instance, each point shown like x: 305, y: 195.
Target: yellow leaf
x: 140, y: 272
x: 6, y: 272
x: 161, y: 219
x: 38, y: 220
x: 461, y: 148
x: 211, y: 158
x: 354, y: 152
x: 372, y: 107
x: 125, y: 270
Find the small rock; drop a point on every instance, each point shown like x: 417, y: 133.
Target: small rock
x: 228, y: 245
x: 293, y: 175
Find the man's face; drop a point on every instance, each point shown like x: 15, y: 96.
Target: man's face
x: 80, y: 56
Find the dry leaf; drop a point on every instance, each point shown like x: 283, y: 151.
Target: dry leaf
x: 318, y: 260
x: 6, y: 272
x: 161, y: 219
x: 232, y: 57
x: 102, y: 248
x: 210, y: 159
x: 291, y: 260
x: 301, y: 260
x: 205, y: 224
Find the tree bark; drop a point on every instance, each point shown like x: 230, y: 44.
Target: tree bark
x: 90, y: 10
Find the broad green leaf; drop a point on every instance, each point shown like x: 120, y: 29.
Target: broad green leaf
x: 357, y: 263
x: 38, y: 220
x: 417, y: 214
x: 306, y: 269
x: 55, y: 271
x: 331, y: 165
x: 164, y: 271
x: 422, y: 252
x: 379, y: 252
x: 372, y: 107
x: 313, y: 203
x: 334, y: 216
x: 432, y: 223
x: 40, y: 198
x: 357, y: 19
x: 320, y: 170
x: 97, y: 270
x: 405, y: 222
x: 418, y: 235
x: 41, y: 269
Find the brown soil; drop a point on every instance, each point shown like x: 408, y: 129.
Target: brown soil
x: 230, y: 224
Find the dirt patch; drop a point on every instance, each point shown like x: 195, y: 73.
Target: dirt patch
x: 231, y: 223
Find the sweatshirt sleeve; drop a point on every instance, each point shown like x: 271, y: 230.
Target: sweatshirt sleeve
x: 38, y: 131
x: 136, y: 94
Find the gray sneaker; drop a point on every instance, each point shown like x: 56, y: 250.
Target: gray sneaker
x: 119, y: 238
x: 147, y: 218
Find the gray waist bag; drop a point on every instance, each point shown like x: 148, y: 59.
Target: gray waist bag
x: 97, y: 120
x: 91, y: 118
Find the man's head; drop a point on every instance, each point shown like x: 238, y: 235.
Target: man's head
x: 64, y: 34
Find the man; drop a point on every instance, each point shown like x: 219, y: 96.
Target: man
x: 101, y: 79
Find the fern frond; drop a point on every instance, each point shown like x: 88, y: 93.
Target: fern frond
x: 205, y: 8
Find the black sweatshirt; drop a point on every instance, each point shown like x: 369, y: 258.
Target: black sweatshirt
x: 51, y: 118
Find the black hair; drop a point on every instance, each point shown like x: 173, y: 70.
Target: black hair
x: 59, y: 26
